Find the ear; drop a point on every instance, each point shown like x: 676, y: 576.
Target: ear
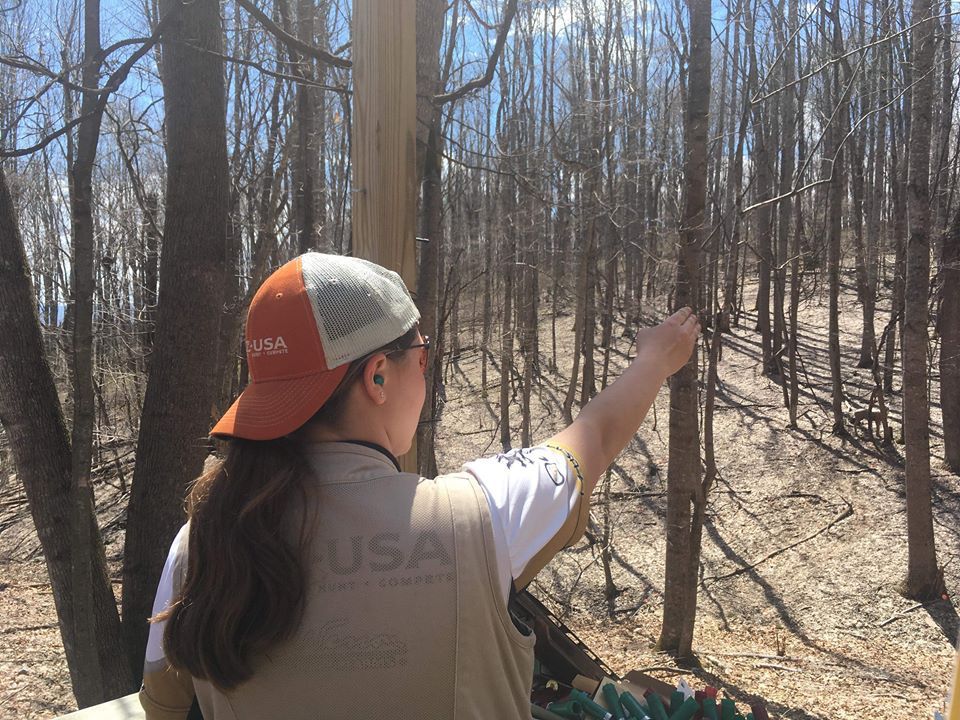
x: 376, y: 365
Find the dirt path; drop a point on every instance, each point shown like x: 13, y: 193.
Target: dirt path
x: 804, y: 546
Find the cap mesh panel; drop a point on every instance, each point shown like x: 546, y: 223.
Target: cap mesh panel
x: 358, y: 306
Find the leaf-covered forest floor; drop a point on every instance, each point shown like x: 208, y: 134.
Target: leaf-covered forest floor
x: 803, y: 550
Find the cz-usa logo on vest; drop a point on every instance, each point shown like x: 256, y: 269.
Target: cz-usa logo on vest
x: 266, y: 346
x: 383, y: 560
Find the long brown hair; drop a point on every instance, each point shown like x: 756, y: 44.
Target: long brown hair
x: 245, y: 583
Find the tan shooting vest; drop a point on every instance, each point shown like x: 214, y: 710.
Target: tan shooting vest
x: 404, y: 615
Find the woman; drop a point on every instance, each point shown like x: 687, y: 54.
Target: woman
x: 314, y: 578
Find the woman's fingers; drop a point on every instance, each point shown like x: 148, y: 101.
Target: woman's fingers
x: 679, y: 317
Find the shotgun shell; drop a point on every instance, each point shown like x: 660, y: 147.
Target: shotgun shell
x: 568, y: 709
x: 727, y: 709
x: 676, y: 700
x: 657, y: 710
x: 633, y: 706
x: 710, y: 708
x: 540, y: 713
x: 687, y: 710
x: 590, y: 707
x: 612, y: 699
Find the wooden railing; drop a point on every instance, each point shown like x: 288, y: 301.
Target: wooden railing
x: 125, y: 708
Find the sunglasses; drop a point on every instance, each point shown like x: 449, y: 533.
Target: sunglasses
x: 425, y: 345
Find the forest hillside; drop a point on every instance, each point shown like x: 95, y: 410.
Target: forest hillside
x: 547, y: 177
x: 804, y: 548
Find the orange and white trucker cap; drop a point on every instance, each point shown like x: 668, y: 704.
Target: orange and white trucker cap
x: 308, y: 321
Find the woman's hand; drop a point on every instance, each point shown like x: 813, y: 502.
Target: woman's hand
x: 669, y: 344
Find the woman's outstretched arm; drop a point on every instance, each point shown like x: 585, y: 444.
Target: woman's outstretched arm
x: 606, y: 423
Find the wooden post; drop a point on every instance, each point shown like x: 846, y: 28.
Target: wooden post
x: 384, y: 140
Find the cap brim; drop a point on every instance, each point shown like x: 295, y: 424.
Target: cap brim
x: 271, y: 409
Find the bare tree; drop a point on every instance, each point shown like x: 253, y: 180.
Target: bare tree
x: 89, y: 670
x: 949, y: 321
x: 34, y: 423
x: 182, y: 386
x: 924, y: 579
x: 835, y: 153
x: 685, y: 489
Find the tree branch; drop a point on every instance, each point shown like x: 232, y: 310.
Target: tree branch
x: 272, y: 73
x: 823, y: 181
x: 840, y: 58
x: 113, y: 84
x: 24, y: 62
x: 291, y: 41
x: 492, y: 61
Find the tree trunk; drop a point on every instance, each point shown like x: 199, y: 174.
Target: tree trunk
x: 947, y: 105
x: 924, y: 581
x: 835, y: 151
x: 788, y: 149
x: 583, y: 258
x: 34, y: 424
x: 182, y: 386
x: 763, y: 181
x: 306, y: 160
x: 488, y: 288
x: 863, y: 256
x: 950, y: 345
x: 430, y: 20
x: 898, y: 191
x: 796, y: 243
x: 732, y: 193
x: 428, y: 286
x: 151, y: 256
x: 683, y: 481
x: 85, y: 536
x: 875, y: 195
x: 507, y: 326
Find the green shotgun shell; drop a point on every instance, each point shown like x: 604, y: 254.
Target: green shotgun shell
x: 543, y: 714
x: 687, y: 710
x: 657, y: 710
x: 567, y: 709
x: 728, y: 710
x: 613, y: 700
x: 710, y: 709
x: 590, y: 707
x: 633, y: 706
x: 676, y: 700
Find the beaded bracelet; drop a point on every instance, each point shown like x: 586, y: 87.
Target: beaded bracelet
x: 575, y: 464
x: 571, y: 458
